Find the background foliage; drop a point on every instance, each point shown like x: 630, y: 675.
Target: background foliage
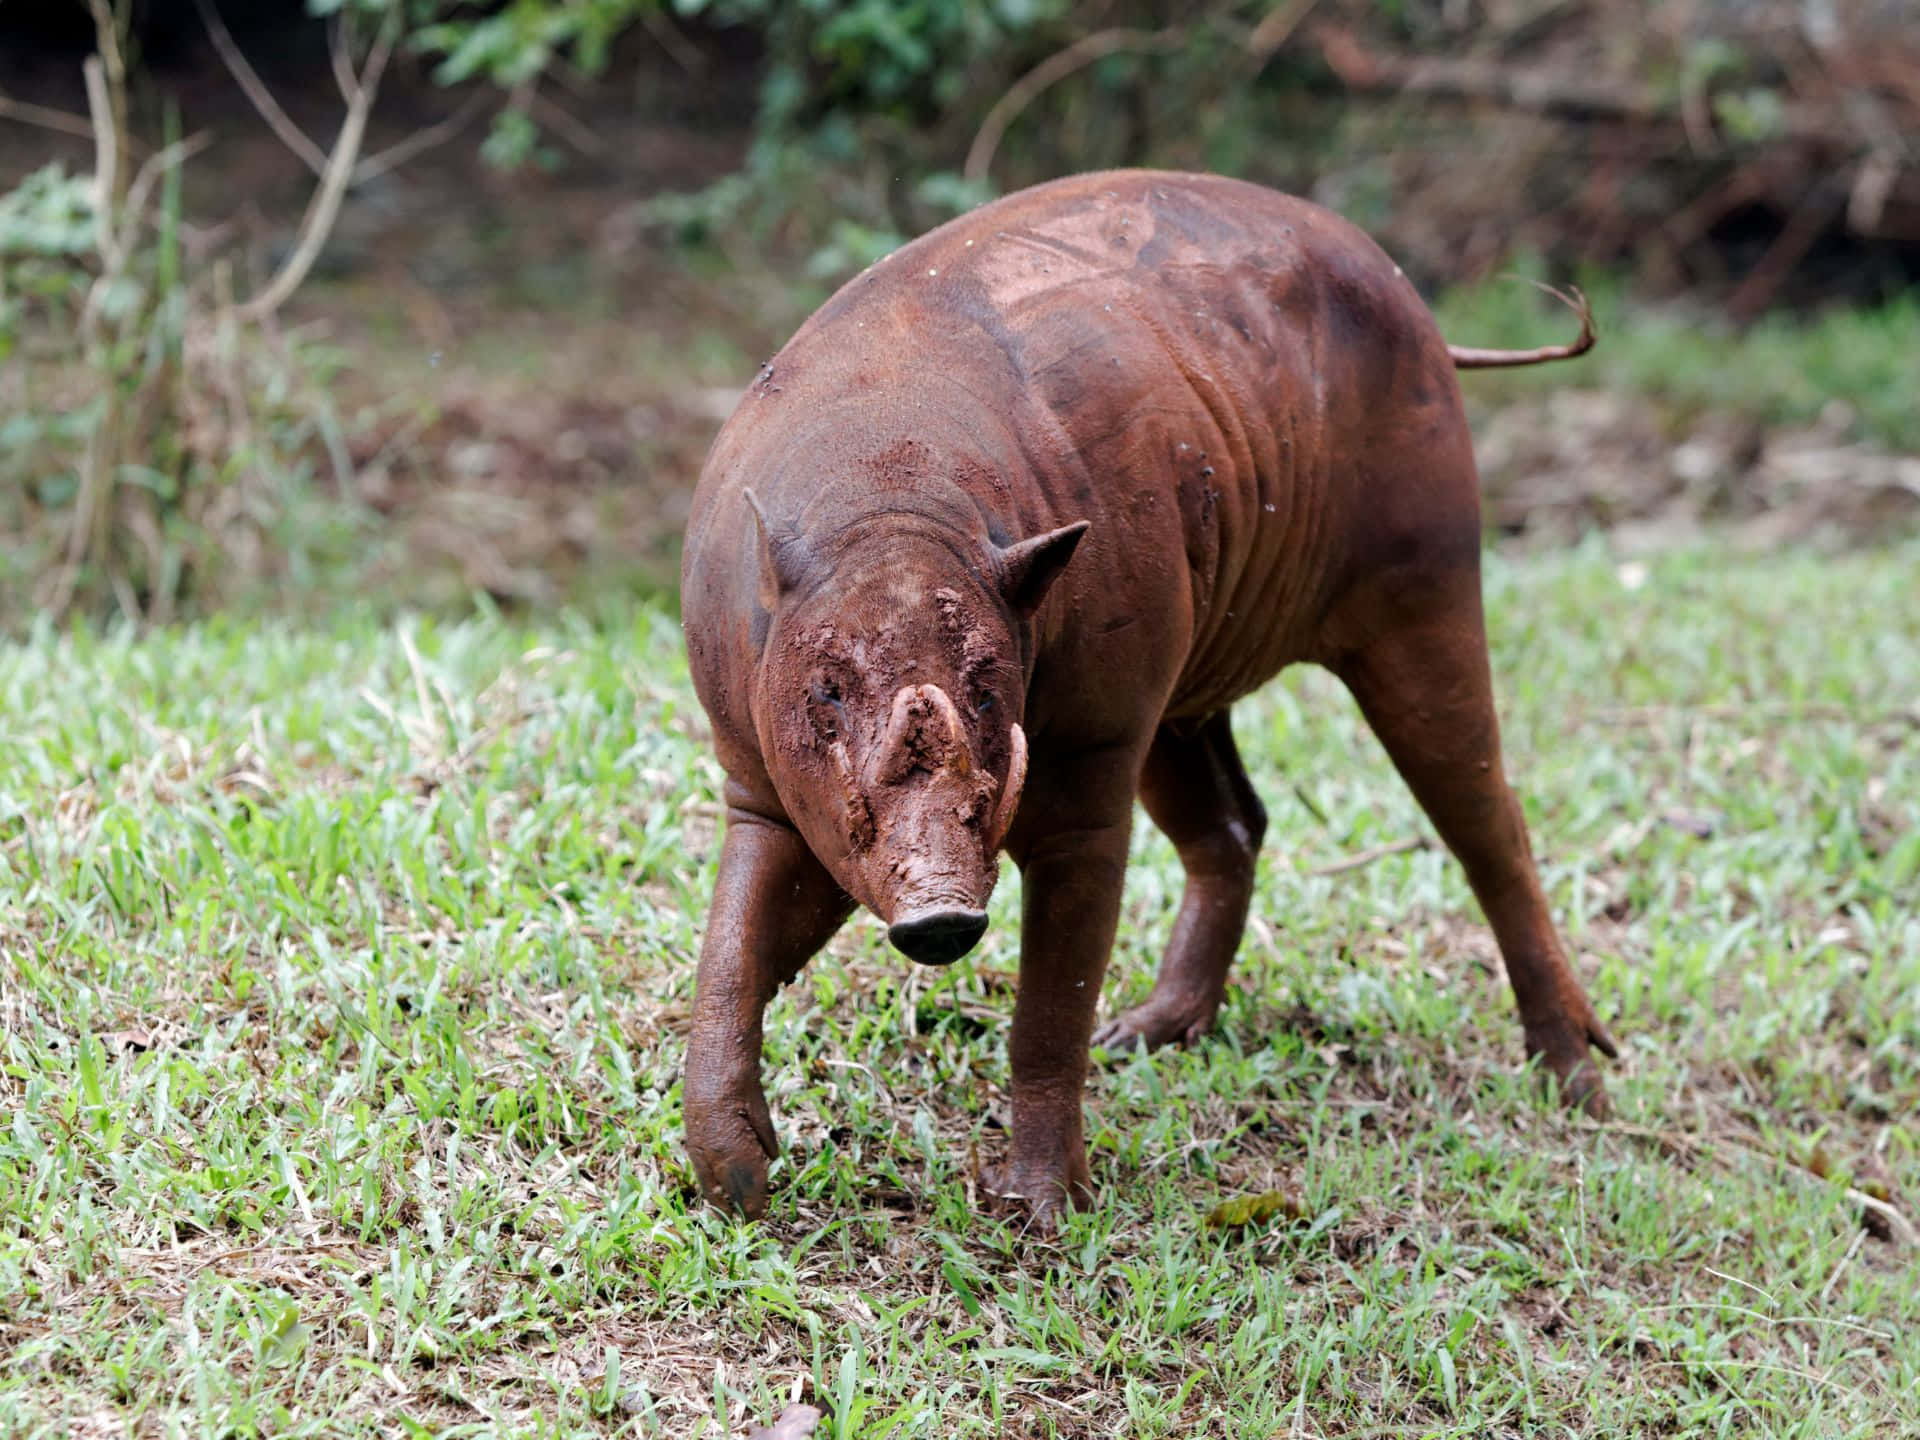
x: 1714, y: 171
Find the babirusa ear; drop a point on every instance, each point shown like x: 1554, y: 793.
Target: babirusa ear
x: 1028, y: 569
x: 779, y: 556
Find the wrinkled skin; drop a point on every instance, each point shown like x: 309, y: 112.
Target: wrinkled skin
x: 987, y: 552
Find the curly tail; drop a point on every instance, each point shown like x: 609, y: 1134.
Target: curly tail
x: 1468, y: 358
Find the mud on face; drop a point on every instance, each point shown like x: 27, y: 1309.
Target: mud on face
x: 896, y: 750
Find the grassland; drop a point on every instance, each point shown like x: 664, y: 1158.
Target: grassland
x: 344, y: 972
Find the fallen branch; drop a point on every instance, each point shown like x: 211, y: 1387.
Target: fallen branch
x: 1533, y: 90
x: 1361, y: 858
x: 1539, y: 91
x: 1082, y: 53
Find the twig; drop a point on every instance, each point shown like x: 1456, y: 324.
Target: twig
x: 1902, y: 1228
x: 1275, y: 29
x: 340, y: 51
x: 1853, y: 1249
x: 45, y: 117
x: 567, y: 124
x: 667, y: 35
x: 1023, y: 92
x: 1536, y: 91
x: 421, y: 141
x: 1872, y: 184
x: 149, y: 172
x: 1745, y: 185
x: 1361, y: 858
x: 298, y: 141
x: 1539, y: 91
x: 106, y: 164
x: 281, y: 123
x: 102, y: 449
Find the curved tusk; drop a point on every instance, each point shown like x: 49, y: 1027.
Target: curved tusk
x: 1010, y: 792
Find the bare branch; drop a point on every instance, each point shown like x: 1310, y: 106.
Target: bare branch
x: 45, y: 117
x: 667, y: 35
x: 297, y: 140
x: 341, y: 55
x: 1083, y: 52
x: 1539, y: 91
x: 421, y: 141
x: 155, y: 166
x: 566, y: 124
x: 106, y: 163
x: 1534, y: 91
x: 325, y: 209
x: 1276, y: 29
x: 281, y: 123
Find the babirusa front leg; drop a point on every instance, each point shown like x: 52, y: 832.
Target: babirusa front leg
x: 1071, y: 885
x: 774, y: 905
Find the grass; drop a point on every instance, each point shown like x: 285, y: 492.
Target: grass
x: 344, y: 972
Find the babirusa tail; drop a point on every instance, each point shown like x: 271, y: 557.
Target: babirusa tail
x: 1468, y: 358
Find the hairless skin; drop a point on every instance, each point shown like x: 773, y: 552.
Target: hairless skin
x: 988, y: 550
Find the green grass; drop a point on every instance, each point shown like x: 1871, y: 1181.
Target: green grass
x: 343, y: 989
x: 1781, y: 370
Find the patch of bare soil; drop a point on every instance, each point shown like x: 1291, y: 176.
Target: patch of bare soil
x: 524, y: 494
x: 1558, y: 466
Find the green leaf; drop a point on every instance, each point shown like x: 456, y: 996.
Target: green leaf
x: 964, y: 1292
x: 1245, y: 1210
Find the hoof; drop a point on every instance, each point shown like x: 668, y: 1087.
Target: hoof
x: 1149, y: 1027
x: 730, y: 1147
x: 1564, y: 1054
x: 1038, y: 1199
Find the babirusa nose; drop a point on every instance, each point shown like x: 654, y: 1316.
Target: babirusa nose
x: 938, y: 937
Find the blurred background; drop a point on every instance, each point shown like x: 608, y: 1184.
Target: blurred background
x: 418, y: 303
